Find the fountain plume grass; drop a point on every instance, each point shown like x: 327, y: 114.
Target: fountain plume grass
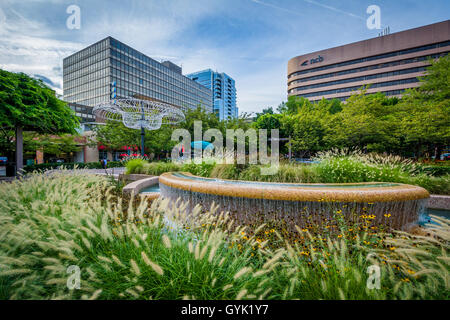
x: 133, y: 251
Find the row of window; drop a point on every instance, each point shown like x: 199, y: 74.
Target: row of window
x: 153, y: 67
x: 362, y: 78
x: 348, y: 89
x: 100, y: 65
x: 376, y: 57
x: 128, y: 89
x: 155, y: 89
x: 387, y: 93
x: 92, y: 81
x: 372, y: 67
x: 92, y: 101
x: 89, y: 94
x: 87, y: 62
x: 127, y: 72
x: 83, y: 54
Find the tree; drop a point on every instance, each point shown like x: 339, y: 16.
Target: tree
x: 268, y: 110
x: 114, y: 135
x: 28, y: 104
x: 426, y: 110
x: 59, y: 146
x: 367, y: 121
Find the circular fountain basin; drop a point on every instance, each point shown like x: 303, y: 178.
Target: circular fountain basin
x: 395, y: 204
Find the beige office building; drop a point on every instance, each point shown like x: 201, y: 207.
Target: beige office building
x: 389, y: 63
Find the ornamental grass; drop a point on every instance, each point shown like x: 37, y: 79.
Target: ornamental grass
x: 137, y: 250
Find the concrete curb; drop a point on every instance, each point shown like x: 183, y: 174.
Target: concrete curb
x: 439, y: 202
x: 133, y: 177
x: 138, y: 185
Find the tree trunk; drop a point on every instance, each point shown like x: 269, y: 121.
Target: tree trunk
x: 19, y: 149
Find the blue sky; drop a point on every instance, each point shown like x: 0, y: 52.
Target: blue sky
x: 251, y: 40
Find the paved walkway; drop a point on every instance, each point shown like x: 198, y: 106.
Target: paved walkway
x: 109, y: 171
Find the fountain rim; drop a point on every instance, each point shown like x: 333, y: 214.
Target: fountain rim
x: 333, y: 192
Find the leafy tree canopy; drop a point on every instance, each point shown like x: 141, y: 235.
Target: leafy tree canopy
x: 30, y: 104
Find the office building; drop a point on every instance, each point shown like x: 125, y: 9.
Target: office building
x: 224, y: 92
x: 389, y: 63
x: 89, y: 73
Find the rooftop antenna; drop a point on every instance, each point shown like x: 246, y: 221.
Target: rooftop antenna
x: 385, y: 32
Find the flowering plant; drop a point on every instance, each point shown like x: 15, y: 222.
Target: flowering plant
x: 127, y: 157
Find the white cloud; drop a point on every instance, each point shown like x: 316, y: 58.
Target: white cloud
x: 25, y: 47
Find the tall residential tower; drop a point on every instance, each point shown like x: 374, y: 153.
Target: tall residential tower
x: 224, y: 92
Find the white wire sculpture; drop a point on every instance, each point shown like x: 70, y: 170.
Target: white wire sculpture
x: 139, y: 114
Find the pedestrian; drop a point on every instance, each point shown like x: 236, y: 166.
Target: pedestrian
x: 106, y: 163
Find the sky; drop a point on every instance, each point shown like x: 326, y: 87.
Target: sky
x: 250, y: 40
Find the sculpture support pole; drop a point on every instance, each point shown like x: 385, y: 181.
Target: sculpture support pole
x: 142, y: 140
x: 142, y: 133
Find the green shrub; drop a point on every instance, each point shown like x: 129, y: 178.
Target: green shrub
x: 347, y: 169
x: 135, y: 166
x: 202, y: 169
x: 436, y: 170
x: 70, y: 165
x: 292, y: 173
x: 227, y: 171
x: 158, y: 168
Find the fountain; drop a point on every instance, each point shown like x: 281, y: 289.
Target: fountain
x: 393, y: 204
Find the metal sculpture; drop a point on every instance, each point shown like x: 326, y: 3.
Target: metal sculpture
x: 139, y: 114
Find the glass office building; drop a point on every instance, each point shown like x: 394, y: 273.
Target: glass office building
x: 389, y: 64
x: 89, y: 73
x: 224, y: 92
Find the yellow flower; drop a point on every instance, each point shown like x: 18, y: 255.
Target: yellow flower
x: 392, y: 248
x: 387, y: 215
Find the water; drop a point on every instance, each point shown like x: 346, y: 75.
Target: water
x: 425, y: 218
x: 289, y: 185
x: 152, y: 188
x: 254, y: 211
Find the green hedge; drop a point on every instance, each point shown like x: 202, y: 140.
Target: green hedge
x: 70, y: 165
x: 436, y: 170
